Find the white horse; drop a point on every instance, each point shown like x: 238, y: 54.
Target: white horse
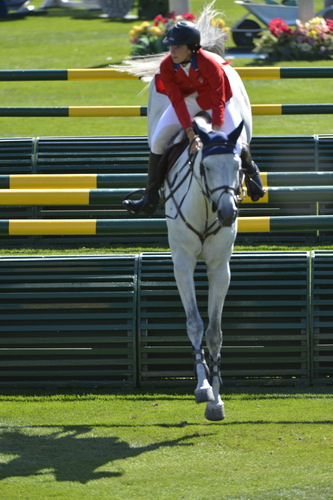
x: 201, y: 213
x: 200, y: 196
x: 201, y: 208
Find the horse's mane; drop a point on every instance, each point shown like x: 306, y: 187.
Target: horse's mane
x: 213, y: 39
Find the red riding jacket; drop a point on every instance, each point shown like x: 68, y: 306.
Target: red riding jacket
x: 206, y: 77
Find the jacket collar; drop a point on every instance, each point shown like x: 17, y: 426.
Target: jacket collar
x: 194, y: 63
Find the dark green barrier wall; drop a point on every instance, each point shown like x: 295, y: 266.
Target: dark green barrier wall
x: 117, y: 321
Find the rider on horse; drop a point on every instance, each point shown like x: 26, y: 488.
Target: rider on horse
x: 194, y: 81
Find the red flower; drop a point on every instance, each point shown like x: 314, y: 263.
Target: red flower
x: 160, y: 19
x: 188, y: 16
x: 278, y: 27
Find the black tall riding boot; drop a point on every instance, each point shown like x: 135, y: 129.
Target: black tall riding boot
x: 149, y: 202
x: 252, y: 175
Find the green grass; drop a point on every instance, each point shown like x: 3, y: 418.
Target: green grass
x: 273, y: 444
x: 132, y: 249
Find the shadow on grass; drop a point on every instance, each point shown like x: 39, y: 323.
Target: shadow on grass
x: 70, y: 453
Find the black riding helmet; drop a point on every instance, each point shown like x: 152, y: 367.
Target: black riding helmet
x: 183, y: 33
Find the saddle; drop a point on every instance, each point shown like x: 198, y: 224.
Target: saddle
x: 168, y: 159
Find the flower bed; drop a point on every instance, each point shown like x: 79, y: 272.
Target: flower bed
x: 147, y: 38
x: 309, y: 41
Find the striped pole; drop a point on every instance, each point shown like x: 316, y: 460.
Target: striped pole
x: 74, y: 111
x: 107, y: 74
x: 22, y: 197
x: 114, y: 227
x: 291, y: 109
x: 269, y: 72
x: 297, y: 178
x: 123, y: 180
x: 121, y: 111
x: 295, y: 194
x: 72, y: 181
x: 64, y: 74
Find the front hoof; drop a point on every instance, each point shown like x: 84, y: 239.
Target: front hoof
x: 204, y: 395
x: 215, y: 413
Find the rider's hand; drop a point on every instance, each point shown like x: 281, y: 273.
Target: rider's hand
x: 196, y: 145
x: 194, y: 140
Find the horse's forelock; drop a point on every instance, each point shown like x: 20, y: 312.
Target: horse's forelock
x: 218, y: 143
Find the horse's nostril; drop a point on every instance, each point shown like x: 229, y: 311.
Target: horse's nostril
x: 227, y: 220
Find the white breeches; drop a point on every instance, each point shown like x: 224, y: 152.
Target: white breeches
x: 169, y: 125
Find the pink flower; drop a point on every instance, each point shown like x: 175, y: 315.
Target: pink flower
x: 329, y: 24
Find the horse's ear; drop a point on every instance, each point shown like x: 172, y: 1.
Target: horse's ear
x: 202, y: 133
x: 233, y: 136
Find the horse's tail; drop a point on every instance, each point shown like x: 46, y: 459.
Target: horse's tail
x: 144, y: 67
x: 213, y: 38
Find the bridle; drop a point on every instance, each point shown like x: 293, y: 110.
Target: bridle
x: 224, y: 188
x: 213, y: 228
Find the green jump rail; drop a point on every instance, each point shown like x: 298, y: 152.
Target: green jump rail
x: 140, y: 111
x: 115, y: 181
x: 125, y: 227
x: 284, y: 160
x: 113, y: 74
x: 22, y: 197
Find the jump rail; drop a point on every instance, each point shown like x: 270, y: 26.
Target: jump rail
x: 155, y: 226
x: 112, y: 74
x: 138, y: 111
x: 107, y: 168
x: 100, y: 181
x: 286, y: 194
x: 312, y: 192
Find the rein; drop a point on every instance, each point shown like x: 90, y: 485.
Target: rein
x: 214, y: 228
